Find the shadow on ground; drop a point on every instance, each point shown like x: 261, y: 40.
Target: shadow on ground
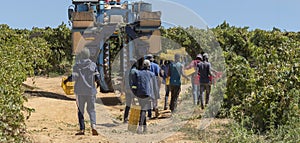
x: 49, y: 95
x: 109, y: 125
x: 108, y: 101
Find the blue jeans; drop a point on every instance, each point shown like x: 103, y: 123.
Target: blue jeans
x: 90, y: 100
x: 195, y: 91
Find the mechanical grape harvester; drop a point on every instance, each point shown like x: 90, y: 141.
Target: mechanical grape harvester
x: 132, y: 26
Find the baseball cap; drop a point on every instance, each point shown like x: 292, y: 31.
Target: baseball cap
x: 199, y: 56
x: 205, y: 55
x: 146, y: 63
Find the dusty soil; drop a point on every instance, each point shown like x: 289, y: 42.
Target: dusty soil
x: 55, y: 118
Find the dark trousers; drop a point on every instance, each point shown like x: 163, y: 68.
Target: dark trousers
x: 145, y: 105
x: 129, y: 99
x: 126, y: 113
x: 204, y: 87
x: 175, y: 90
x: 81, y: 120
x: 167, y: 96
x: 149, y: 110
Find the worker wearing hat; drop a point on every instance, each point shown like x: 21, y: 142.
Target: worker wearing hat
x: 145, y: 83
x: 204, y: 70
x: 156, y: 70
x: 195, y: 77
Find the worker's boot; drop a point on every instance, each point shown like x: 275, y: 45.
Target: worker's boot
x: 140, y: 129
x: 81, y: 132
x: 145, y: 129
x: 94, y: 132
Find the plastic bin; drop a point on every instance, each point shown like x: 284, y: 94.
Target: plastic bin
x: 134, y: 117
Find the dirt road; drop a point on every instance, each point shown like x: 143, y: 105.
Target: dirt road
x: 55, y: 118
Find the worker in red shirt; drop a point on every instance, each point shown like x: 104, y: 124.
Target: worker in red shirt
x: 195, y: 77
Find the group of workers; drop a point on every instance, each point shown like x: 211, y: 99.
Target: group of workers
x: 201, y: 79
x: 143, y: 82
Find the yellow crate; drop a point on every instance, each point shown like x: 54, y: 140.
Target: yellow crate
x: 190, y: 71
x: 68, y: 87
x: 134, y: 117
x: 168, y: 80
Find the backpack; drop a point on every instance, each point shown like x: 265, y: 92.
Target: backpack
x: 175, y: 75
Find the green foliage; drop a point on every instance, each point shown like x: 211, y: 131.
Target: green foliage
x: 25, y: 53
x: 262, y: 69
x: 181, y: 36
x: 286, y: 133
x: 195, y: 41
x: 239, y: 82
x: 233, y: 39
x: 18, y: 58
x: 59, y: 43
x: 262, y: 76
x: 236, y: 132
x: 115, y: 47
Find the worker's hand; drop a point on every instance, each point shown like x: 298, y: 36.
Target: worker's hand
x: 65, y: 81
x: 186, y: 77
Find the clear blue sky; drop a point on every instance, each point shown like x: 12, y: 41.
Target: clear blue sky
x: 262, y: 14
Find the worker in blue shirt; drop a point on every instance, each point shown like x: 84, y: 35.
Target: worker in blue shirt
x: 154, y: 67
